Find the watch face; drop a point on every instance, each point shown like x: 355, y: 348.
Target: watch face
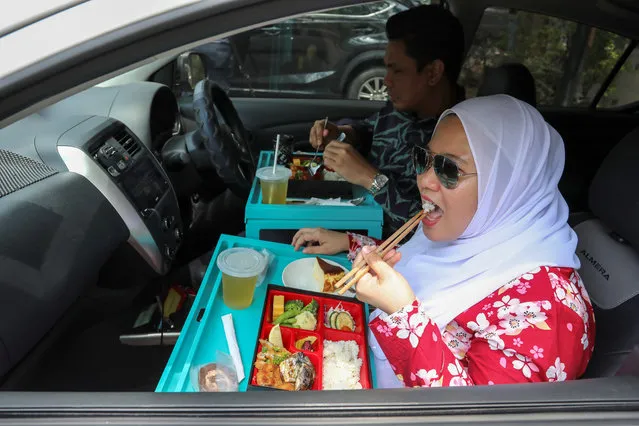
x: 381, y: 181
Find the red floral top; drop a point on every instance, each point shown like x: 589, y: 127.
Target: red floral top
x: 537, y: 328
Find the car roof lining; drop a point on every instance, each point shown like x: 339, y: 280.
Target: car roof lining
x: 604, y: 14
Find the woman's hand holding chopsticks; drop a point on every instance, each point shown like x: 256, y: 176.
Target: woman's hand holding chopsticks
x: 359, y: 269
x: 382, y: 286
x: 392, y: 257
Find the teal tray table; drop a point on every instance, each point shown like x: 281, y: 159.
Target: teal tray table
x: 368, y: 216
x: 203, y: 332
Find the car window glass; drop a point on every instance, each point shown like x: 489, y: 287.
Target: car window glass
x: 334, y: 54
x: 569, y: 61
x: 624, y: 88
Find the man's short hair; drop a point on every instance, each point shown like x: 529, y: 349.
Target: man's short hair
x: 430, y: 32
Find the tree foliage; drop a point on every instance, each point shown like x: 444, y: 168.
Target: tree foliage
x: 569, y: 61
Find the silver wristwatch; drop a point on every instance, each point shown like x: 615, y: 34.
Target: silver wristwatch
x: 379, y: 181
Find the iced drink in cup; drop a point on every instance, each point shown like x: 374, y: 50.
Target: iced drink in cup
x: 240, y: 269
x: 274, y: 185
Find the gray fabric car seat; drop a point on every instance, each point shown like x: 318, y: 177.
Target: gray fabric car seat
x: 512, y: 79
x: 608, y: 250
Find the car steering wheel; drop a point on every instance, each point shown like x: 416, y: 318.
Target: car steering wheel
x: 226, y: 144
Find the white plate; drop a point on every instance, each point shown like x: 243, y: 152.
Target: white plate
x: 299, y: 274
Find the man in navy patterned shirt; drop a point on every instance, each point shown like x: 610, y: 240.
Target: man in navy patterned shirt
x: 423, y: 60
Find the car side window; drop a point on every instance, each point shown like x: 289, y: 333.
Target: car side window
x: 333, y: 54
x: 569, y: 61
x: 624, y: 88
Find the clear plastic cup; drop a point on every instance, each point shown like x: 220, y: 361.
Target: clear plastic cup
x: 240, y: 268
x: 274, y: 185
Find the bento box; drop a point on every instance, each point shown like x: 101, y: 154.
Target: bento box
x: 327, y: 353
x: 300, y: 164
x: 304, y: 185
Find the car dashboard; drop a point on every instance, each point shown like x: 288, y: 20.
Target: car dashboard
x: 83, y: 199
x: 110, y: 136
x: 129, y: 176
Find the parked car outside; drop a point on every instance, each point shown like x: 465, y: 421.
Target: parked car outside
x: 332, y: 54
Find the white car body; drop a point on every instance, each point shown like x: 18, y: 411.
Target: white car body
x: 65, y: 24
x: 41, y: 30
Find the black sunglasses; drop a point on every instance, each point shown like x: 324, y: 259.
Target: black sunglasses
x: 447, y: 170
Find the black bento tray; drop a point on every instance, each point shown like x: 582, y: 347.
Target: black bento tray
x: 320, y: 189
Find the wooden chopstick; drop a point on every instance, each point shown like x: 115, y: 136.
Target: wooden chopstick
x: 392, y: 240
x: 361, y: 269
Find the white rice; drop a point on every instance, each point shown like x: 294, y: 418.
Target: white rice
x: 428, y: 207
x: 341, y: 368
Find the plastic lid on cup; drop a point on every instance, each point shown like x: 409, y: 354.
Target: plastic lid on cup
x: 241, y: 262
x: 266, y: 173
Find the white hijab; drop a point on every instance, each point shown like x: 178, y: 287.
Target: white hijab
x: 520, y: 222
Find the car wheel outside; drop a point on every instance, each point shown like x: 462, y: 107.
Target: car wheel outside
x: 369, y: 85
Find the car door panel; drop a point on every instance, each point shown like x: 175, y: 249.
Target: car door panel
x: 613, y: 400
x: 267, y: 117
x: 56, y: 235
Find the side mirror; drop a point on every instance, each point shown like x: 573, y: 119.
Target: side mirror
x: 191, y: 69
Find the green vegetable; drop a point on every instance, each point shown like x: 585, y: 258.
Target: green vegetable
x: 332, y: 318
x: 264, y: 349
x: 344, y: 319
x: 311, y: 307
x: 277, y: 360
x: 293, y: 305
x: 286, y: 315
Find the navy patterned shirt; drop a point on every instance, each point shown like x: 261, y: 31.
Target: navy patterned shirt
x: 387, y: 139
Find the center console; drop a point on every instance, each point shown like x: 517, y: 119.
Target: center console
x: 136, y: 171
x: 132, y: 179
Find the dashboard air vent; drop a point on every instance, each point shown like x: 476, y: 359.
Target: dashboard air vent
x: 127, y: 142
x: 93, y: 151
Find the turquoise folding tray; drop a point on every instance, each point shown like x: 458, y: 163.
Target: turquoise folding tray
x: 203, y: 332
x: 367, y: 216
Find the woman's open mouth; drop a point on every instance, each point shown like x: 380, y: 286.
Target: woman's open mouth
x: 433, y: 213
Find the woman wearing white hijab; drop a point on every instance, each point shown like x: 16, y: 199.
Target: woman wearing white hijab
x: 486, y: 291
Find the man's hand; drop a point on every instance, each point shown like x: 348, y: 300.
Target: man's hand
x: 321, y: 135
x: 328, y: 242
x: 349, y: 163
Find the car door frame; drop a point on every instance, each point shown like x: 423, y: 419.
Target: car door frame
x: 611, y: 399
